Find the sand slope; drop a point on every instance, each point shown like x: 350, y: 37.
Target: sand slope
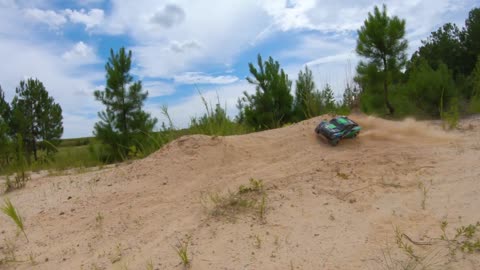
x: 327, y: 207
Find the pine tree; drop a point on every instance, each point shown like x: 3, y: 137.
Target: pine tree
x: 350, y: 96
x: 471, y: 38
x: 123, y: 124
x: 381, y: 40
x: 36, y: 116
x: 305, y: 105
x: 5, y: 141
x: 271, y: 105
x: 328, y: 99
x: 4, y: 114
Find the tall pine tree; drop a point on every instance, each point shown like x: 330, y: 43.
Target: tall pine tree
x: 381, y: 40
x: 123, y: 124
x: 36, y: 116
x: 306, y: 104
x: 328, y: 99
x: 4, y: 130
x: 271, y: 105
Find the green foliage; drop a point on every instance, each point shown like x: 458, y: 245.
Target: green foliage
x: 310, y: 102
x: 6, y: 145
x: 251, y: 197
x: 123, y: 123
x: 76, y: 142
x: 350, y: 96
x: 381, y: 40
x: 307, y: 103
x: 474, y: 106
x: 452, y: 115
x: 471, y: 37
x: 327, y: 99
x: 255, y: 186
x: 466, y: 238
x: 36, y: 116
x: 457, y: 49
x: 370, y: 80
x: 271, y: 105
x: 443, y: 46
x: 215, y: 122
x: 182, y: 251
x: 9, y: 210
x: 19, y: 167
x: 431, y: 90
x: 402, y: 102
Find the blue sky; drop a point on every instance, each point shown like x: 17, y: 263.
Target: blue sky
x: 180, y: 47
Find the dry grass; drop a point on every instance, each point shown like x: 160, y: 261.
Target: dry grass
x: 248, y: 198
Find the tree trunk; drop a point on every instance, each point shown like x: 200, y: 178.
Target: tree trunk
x: 391, y: 110
x: 34, y: 143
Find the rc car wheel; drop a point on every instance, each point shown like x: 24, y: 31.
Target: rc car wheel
x: 333, y: 142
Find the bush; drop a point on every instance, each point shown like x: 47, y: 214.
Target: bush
x: 215, y: 122
x: 474, y: 106
x: 451, y: 116
x: 272, y: 104
x: 431, y: 90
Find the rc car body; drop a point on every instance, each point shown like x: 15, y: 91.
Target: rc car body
x: 338, y: 128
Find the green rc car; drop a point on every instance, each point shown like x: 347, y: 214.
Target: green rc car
x: 338, y: 128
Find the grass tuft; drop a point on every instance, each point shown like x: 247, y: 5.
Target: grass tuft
x: 182, y: 251
x: 250, y: 197
x: 10, y: 210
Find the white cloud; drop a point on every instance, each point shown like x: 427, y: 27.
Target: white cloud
x: 169, y: 16
x: 49, y: 17
x: 290, y: 15
x: 222, y: 33
x: 343, y: 57
x: 76, y: 126
x: 56, y: 19
x: 186, y: 46
x: 158, y: 89
x: 81, y: 53
x: 92, y: 18
x: 202, y: 78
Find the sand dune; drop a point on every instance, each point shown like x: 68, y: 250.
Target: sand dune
x: 326, y: 207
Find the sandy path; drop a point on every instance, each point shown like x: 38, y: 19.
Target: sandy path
x: 327, y: 207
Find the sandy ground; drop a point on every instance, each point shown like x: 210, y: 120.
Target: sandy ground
x: 326, y: 207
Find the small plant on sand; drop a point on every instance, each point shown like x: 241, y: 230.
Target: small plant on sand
x: 403, y: 245
x: 99, y: 219
x: 149, y: 265
x: 424, y: 189
x: 117, y: 255
x: 466, y: 238
x: 182, y: 251
x: 19, y: 181
x: 251, y: 197
x: 258, y: 241
x: 31, y: 258
x: 20, y: 165
x: 10, y: 210
x: 255, y: 186
x: 408, y: 258
x: 261, y: 208
x: 424, y: 255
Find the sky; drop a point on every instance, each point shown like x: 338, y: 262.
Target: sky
x: 183, y: 47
